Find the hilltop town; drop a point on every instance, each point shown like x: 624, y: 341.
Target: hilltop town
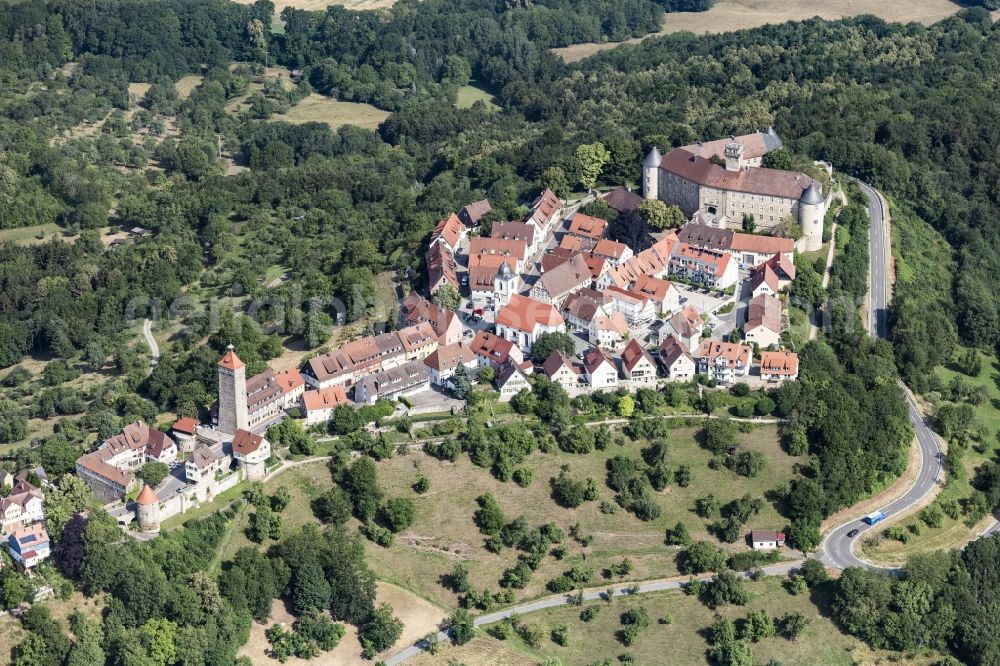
x: 699, y: 302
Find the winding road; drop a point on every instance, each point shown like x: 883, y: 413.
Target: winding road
x: 837, y: 549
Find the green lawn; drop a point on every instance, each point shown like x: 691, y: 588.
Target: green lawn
x: 444, y: 532
x: 30, y: 235
x: 683, y: 641
x: 469, y: 95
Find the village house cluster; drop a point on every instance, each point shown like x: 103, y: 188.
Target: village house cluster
x: 633, y: 314
x: 22, y: 516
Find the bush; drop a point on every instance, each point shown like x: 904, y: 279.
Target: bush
x: 560, y: 635
x: 523, y: 476
x: 530, y: 634
x: 589, y: 613
x: 397, y: 513
x: 422, y: 485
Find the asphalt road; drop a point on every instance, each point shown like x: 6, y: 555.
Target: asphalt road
x: 837, y: 548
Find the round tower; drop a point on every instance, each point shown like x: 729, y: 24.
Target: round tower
x: 147, y: 510
x: 651, y: 174
x: 812, y: 210
x: 504, y: 285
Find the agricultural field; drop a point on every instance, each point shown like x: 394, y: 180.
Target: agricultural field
x: 730, y: 15
x: 320, y: 5
x: 444, y: 533
x: 683, y: 639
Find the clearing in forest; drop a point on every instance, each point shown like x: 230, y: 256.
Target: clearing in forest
x: 321, y: 109
x: 320, y: 5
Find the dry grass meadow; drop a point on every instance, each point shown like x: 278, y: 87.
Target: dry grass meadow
x: 444, y: 532
x: 730, y: 15
x: 322, y: 109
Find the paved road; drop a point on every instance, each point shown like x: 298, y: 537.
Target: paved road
x: 837, y: 548
x: 154, y: 349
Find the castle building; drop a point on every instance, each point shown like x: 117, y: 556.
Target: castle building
x: 110, y: 470
x: 233, y: 414
x: 724, y: 180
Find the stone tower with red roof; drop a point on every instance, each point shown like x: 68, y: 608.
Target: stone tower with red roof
x: 232, y: 394
x: 147, y: 510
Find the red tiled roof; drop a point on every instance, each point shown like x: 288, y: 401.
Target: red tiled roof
x: 730, y: 352
x: 231, y: 361
x: 450, y: 230
x: 245, y: 442
x: 555, y: 362
x: 761, y: 244
x: 146, y: 496
x: 754, y: 180
x: 525, y: 313
x: 609, y: 248
x: 633, y: 353
x: 491, y: 347
x: 587, y: 226
x: 441, y: 268
x: 651, y: 287
x: 450, y: 356
x: 185, y: 424
x: 566, y: 276
x: 289, y: 380
x: 327, y: 398
x: 764, y: 310
x: 784, y: 363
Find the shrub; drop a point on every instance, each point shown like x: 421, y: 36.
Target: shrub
x: 589, y: 613
x: 560, y: 635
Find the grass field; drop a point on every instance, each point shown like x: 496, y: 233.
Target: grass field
x: 469, y: 95
x: 33, y: 235
x: 321, y: 109
x: 186, y: 84
x: 444, y: 533
x: 680, y: 642
x: 730, y: 15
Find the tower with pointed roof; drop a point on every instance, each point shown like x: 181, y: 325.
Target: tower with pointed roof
x: 504, y: 284
x: 147, y: 510
x: 812, y: 210
x: 232, y: 393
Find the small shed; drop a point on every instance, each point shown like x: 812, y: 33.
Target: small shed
x: 766, y: 539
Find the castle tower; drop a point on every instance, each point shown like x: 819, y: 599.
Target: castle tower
x: 734, y: 155
x: 232, y: 394
x: 812, y: 210
x: 651, y: 174
x: 504, y: 284
x: 147, y: 510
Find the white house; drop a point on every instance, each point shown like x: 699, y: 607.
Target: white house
x: 724, y: 361
x: 609, y: 331
x: 561, y: 370
x: 686, y: 326
x: 676, y: 360
x: 766, y: 539
x: 445, y: 361
x: 763, y: 324
x: 23, y: 505
x: 638, y: 309
x: 638, y: 365
x: 599, y: 369
x: 662, y: 292
x: 252, y: 452
x: 779, y: 366
x: 511, y: 379
x: 318, y: 406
